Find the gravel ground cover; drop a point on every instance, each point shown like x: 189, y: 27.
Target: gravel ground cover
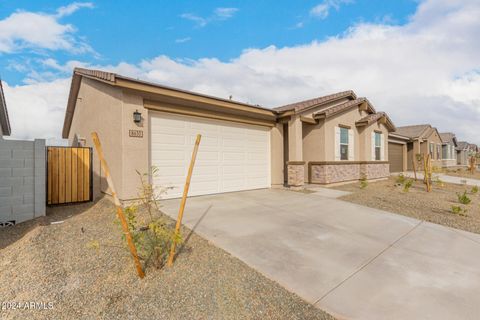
x: 435, y: 206
x: 59, y: 263
x: 462, y: 172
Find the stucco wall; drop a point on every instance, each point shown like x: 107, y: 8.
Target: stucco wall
x: 276, y: 155
x: 135, y: 149
x: 22, y: 180
x: 99, y: 108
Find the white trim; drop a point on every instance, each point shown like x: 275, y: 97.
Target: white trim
x: 351, y: 145
x: 382, y: 147
x: 337, y: 144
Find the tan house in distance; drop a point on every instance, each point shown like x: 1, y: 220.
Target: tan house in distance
x: 449, y: 153
x: 418, y: 139
x: 464, y: 151
x: 330, y: 139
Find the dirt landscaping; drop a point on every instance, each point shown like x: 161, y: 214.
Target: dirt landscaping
x: 435, y: 206
x: 61, y: 263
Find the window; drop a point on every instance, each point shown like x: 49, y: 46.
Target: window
x: 439, y: 153
x: 378, y: 146
x: 432, y: 150
x: 343, y: 143
x: 446, y: 152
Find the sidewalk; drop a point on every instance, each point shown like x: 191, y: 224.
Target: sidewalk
x: 447, y: 178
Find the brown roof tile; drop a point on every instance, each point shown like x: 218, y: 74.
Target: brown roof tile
x: 298, y: 106
x: 330, y: 111
x: 415, y: 131
x: 374, y: 117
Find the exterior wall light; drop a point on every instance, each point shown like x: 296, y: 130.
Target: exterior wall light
x: 137, y: 117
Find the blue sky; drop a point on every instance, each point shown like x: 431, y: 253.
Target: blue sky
x: 417, y: 60
x: 130, y: 31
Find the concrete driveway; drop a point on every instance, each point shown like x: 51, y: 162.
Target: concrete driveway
x: 352, y: 261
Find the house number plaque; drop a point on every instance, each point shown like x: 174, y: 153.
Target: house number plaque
x: 135, y: 133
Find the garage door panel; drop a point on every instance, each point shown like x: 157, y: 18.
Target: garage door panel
x: 395, y: 157
x: 231, y: 157
x: 168, y: 155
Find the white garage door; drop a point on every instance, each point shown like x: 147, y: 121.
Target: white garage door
x: 232, y: 156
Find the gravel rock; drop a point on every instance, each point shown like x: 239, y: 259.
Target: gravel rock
x: 58, y: 263
x: 435, y: 206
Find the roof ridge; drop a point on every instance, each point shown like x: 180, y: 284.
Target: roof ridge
x: 300, y: 105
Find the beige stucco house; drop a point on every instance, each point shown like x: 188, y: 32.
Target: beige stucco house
x: 418, y: 140
x: 333, y: 139
x: 449, y: 153
x: 330, y: 139
x: 4, y: 121
x: 464, y: 151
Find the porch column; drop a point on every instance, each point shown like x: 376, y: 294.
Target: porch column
x: 295, y: 164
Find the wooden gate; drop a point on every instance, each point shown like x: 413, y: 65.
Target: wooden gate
x: 69, y: 175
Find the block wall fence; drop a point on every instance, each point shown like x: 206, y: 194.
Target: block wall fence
x: 22, y: 180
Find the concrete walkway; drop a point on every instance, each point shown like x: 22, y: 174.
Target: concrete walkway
x: 352, y: 261
x: 447, y: 178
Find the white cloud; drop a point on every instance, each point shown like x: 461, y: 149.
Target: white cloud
x: 426, y: 71
x: 322, y: 10
x: 37, y: 110
x: 183, y: 40
x: 71, y: 8
x: 35, y: 30
x: 219, y: 14
x: 225, y: 13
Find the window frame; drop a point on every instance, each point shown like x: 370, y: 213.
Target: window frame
x: 378, y: 157
x: 344, y: 144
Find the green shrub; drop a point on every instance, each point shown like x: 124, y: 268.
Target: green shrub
x: 400, y: 179
x: 463, y: 198
x: 408, y: 184
x: 363, y: 182
x: 474, y: 189
x: 151, y: 234
x: 438, y: 181
x: 459, y: 210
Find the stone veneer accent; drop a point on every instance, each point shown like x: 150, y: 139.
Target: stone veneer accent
x: 296, y: 173
x: 449, y: 163
x: 340, y: 171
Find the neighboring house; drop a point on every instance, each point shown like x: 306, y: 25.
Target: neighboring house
x: 22, y: 174
x: 419, y: 139
x: 449, y: 153
x: 4, y: 121
x: 464, y: 151
x: 333, y: 139
x: 330, y: 139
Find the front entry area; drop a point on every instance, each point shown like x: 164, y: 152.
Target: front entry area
x: 232, y: 156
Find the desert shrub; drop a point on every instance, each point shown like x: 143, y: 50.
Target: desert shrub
x: 400, y: 179
x: 459, y: 210
x: 474, y: 190
x: 152, y: 234
x: 439, y: 181
x: 436, y: 169
x: 463, y: 198
x: 407, y: 185
x: 363, y: 182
